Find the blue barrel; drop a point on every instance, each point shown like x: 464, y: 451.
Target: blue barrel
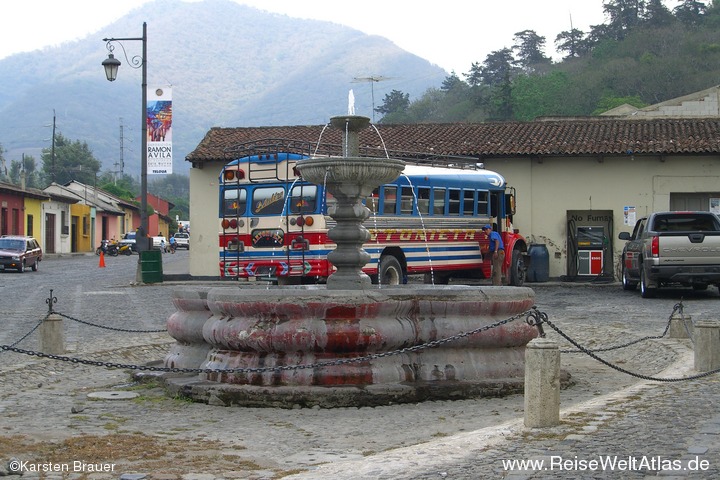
x: 539, y: 269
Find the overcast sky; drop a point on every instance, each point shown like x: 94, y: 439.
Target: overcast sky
x: 451, y: 33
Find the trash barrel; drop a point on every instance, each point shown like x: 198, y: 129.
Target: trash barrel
x: 539, y: 269
x: 151, y: 266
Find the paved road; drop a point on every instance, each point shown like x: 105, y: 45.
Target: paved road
x: 48, y: 416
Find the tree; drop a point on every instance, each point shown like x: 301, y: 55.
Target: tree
x: 572, y: 42
x: 624, y: 16
x: 451, y: 82
x: 73, y: 161
x: 474, y: 76
x: 536, y: 96
x: 3, y: 167
x: 498, y: 68
x: 24, y: 168
x: 657, y: 14
x: 395, y: 103
x: 529, y: 47
x: 690, y: 12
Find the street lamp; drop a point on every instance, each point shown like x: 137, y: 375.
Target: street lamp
x: 111, y: 65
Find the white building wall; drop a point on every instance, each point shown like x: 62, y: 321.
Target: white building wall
x: 547, y: 189
x: 204, y: 253
x: 62, y: 242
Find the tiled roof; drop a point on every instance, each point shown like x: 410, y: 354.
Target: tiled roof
x: 568, y: 137
x: 11, y: 189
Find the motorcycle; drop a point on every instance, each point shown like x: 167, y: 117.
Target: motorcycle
x: 108, y: 248
x: 125, y: 250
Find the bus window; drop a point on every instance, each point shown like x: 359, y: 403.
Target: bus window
x: 454, y: 201
x: 423, y: 200
x: 389, y: 200
x: 468, y: 202
x: 482, y: 203
x: 268, y: 200
x: 303, y: 199
x: 234, y: 202
x: 439, y: 201
x: 406, y: 200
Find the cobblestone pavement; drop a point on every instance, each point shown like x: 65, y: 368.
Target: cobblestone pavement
x: 606, y: 415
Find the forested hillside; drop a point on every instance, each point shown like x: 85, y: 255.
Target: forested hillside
x: 643, y: 54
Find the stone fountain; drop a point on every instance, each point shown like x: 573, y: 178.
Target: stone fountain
x: 348, y: 343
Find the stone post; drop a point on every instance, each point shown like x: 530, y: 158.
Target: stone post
x: 542, y: 383
x: 52, y: 335
x: 681, y: 326
x: 707, y: 345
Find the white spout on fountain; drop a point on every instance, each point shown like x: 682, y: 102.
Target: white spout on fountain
x: 351, y: 103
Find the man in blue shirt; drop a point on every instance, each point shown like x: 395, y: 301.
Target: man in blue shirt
x: 497, y: 250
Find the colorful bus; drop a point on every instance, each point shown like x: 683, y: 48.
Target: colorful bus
x: 274, y: 226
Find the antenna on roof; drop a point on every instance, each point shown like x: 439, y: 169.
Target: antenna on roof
x: 373, y: 80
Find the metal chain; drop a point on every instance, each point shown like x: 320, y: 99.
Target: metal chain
x: 533, y: 317
x: 620, y: 369
x: 30, y: 332
x: 109, y: 328
x: 343, y: 361
x: 677, y: 308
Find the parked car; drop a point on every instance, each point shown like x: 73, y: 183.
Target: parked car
x: 19, y: 252
x: 672, y: 248
x: 128, y: 239
x: 160, y: 243
x: 182, y: 240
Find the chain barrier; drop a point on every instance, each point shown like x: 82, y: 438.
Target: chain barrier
x: 678, y: 307
x: 533, y: 317
x: 28, y: 333
x: 105, y: 327
x: 342, y: 361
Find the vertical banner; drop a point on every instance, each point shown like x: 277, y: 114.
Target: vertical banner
x: 159, y: 130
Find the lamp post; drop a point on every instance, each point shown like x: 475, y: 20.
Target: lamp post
x: 111, y: 65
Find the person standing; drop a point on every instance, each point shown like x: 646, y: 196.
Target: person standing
x: 497, y: 250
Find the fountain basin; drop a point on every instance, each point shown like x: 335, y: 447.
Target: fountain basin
x: 313, y: 334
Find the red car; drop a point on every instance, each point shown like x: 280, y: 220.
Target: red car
x: 19, y: 252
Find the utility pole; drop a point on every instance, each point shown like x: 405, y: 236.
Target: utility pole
x: 52, y: 152
x: 120, y: 166
x: 373, y: 80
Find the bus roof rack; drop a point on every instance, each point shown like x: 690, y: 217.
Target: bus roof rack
x: 272, y: 146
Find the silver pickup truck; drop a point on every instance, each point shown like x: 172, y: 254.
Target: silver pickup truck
x: 667, y: 248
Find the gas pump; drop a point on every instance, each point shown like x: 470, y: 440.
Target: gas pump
x: 590, y: 242
x: 589, y: 234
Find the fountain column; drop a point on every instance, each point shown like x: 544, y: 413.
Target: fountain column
x: 350, y: 179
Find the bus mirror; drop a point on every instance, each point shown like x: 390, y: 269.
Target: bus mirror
x: 510, y: 203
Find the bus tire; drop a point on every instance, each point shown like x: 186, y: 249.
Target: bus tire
x: 389, y: 271
x: 517, y: 268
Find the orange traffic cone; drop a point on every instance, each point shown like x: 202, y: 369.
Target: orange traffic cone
x: 102, y: 259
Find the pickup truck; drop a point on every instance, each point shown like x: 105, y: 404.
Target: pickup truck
x: 668, y: 248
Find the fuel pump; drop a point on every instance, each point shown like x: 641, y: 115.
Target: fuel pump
x: 589, y: 234
x: 591, y: 243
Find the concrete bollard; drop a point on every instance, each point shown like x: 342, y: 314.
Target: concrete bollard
x: 681, y: 326
x: 542, y: 383
x: 52, y: 335
x: 707, y: 345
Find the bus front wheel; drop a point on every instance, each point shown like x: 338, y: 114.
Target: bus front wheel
x: 389, y: 271
x: 517, y: 268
